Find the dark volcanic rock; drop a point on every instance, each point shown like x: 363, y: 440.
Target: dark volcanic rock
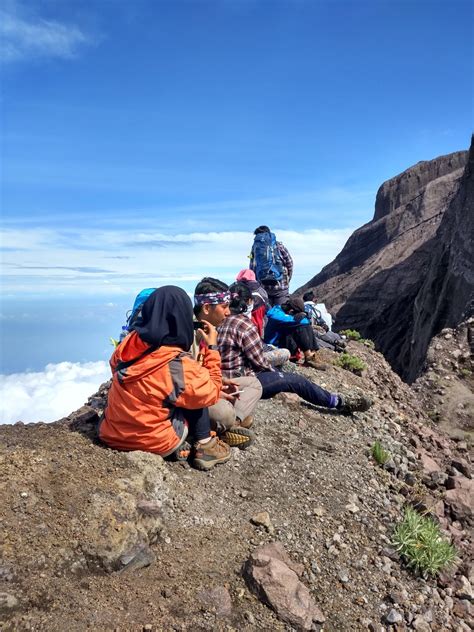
x: 408, y: 273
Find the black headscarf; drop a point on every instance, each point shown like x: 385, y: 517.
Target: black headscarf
x: 167, y: 318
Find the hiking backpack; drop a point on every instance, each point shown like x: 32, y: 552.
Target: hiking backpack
x: 267, y: 261
x: 134, y: 314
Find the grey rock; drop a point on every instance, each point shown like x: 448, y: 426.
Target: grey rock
x: 249, y: 616
x: 393, y: 616
x: 262, y: 518
x: 390, y: 465
x: 420, y: 624
x: 343, y: 576
x: 462, y: 466
x: 7, y: 602
x: 138, y: 557
x: 217, y: 598
x: 464, y: 589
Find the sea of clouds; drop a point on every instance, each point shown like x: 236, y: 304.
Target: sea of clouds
x: 50, y: 394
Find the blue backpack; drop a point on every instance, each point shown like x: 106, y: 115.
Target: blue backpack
x: 134, y: 314
x: 267, y: 262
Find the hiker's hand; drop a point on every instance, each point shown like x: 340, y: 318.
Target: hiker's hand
x: 209, y: 333
x: 229, y: 390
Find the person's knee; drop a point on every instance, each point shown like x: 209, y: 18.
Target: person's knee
x: 222, y: 415
x: 250, y: 384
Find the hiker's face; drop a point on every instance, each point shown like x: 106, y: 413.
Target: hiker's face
x: 215, y: 314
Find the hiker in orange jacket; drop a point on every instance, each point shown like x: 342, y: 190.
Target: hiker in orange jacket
x: 158, y: 390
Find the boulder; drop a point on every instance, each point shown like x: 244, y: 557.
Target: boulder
x: 460, y: 499
x: 273, y: 577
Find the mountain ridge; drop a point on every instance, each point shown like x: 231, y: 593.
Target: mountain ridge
x: 390, y: 265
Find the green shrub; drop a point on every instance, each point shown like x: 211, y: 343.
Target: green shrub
x: 368, y: 343
x: 465, y: 372
x: 351, y: 363
x: 351, y: 334
x: 434, y: 415
x: 419, y: 541
x: 379, y: 454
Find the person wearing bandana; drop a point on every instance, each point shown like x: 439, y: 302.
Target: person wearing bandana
x: 232, y: 415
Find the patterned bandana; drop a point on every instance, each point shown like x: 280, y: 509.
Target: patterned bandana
x: 212, y: 298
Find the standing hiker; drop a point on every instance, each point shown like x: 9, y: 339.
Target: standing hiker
x: 272, y: 264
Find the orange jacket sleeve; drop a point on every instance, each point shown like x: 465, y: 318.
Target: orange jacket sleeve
x: 202, y: 384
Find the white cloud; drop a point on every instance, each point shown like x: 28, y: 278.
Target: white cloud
x: 51, y: 394
x: 81, y: 262
x: 30, y: 38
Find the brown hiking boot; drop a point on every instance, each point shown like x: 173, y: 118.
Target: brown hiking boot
x: 238, y: 437
x: 211, y: 453
x: 247, y: 422
x: 314, y: 364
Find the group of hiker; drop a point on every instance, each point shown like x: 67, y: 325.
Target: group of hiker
x: 192, y: 376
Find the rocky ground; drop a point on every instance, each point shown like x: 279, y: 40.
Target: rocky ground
x: 447, y: 385
x: 79, y: 522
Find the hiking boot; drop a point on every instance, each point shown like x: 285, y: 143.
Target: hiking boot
x: 247, y: 422
x: 211, y: 453
x: 183, y: 452
x: 319, y: 366
x: 238, y: 437
x: 353, y: 403
x: 182, y: 431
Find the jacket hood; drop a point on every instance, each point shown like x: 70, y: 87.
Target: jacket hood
x: 133, y: 347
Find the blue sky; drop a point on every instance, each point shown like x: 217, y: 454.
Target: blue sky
x: 143, y: 142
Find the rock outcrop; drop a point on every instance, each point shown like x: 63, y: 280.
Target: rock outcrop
x: 409, y: 272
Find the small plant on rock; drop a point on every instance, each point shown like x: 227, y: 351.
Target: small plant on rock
x: 351, y: 334
x: 380, y: 455
x: 351, y: 363
x: 434, y: 415
x: 419, y: 541
x: 368, y: 343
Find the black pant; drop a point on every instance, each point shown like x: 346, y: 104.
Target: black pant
x: 300, y: 337
x: 274, y: 382
x: 199, y: 423
x: 277, y: 296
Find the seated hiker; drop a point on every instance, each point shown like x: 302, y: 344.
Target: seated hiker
x: 317, y: 312
x: 260, y: 298
x: 159, y: 393
x: 241, y: 351
x: 232, y: 414
x: 321, y: 321
x: 274, y: 356
x: 288, y: 327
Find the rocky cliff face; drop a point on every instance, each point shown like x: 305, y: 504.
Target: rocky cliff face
x: 408, y: 273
